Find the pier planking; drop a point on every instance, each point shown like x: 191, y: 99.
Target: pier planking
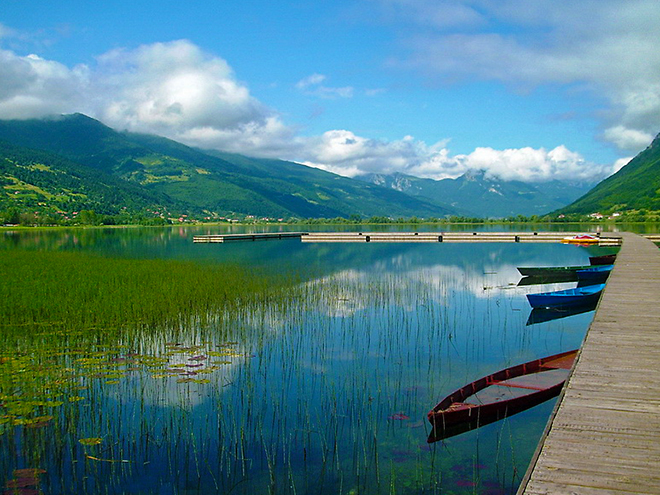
x: 604, y: 436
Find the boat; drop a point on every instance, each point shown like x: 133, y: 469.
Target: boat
x: 500, y: 394
x: 581, y: 239
x: 605, y: 259
x: 550, y: 271
x: 566, y: 298
x: 596, y: 273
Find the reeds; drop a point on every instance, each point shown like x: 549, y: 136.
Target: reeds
x: 80, y: 290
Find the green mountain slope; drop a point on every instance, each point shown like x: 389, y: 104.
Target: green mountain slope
x: 636, y: 186
x: 218, y: 183
x: 48, y: 183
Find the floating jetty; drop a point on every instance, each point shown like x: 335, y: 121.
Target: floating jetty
x: 261, y: 236
x: 604, y: 240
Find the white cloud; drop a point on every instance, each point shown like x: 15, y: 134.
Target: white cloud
x: 312, y: 80
x: 311, y: 85
x: 608, y: 46
x: 342, y: 152
x: 628, y: 139
x: 32, y: 87
x: 172, y: 89
x: 177, y: 90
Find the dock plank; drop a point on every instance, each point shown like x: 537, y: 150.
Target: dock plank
x: 604, y: 436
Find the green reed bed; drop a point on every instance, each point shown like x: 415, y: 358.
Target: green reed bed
x: 79, y: 290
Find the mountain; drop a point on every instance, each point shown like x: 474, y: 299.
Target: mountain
x: 635, y: 187
x: 32, y: 179
x: 168, y: 173
x: 474, y: 194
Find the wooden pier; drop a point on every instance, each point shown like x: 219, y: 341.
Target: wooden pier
x: 260, y: 236
x: 604, y: 239
x: 604, y: 435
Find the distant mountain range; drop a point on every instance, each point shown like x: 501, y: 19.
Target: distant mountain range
x: 635, y: 187
x: 73, y: 162
x: 475, y: 194
x: 66, y: 160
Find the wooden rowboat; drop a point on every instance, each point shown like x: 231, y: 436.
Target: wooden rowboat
x: 605, y: 259
x: 501, y: 394
x: 567, y: 298
x: 583, y: 239
x: 550, y: 271
x: 595, y: 274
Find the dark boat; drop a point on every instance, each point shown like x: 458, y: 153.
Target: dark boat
x: 549, y: 271
x: 595, y: 274
x: 567, y: 298
x: 500, y: 394
x: 606, y: 259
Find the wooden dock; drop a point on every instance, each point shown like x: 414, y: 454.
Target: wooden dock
x: 604, y: 435
x: 260, y: 236
x: 604, y: 239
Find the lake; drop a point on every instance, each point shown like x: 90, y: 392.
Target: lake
x: 325, y: 391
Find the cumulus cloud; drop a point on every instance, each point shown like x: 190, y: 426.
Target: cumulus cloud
x: 628, y: 139
x: 344, y: 153
x: 606, y: 46
x: 177, y: 90
x: 33, y: 87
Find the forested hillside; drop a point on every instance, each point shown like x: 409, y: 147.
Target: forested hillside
x: 633, y: 189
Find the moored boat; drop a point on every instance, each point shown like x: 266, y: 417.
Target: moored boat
x: 549, y: 271
x: 566, y: 298
x: 596, y: 273
x: 503, y: 393
x: 581, y: 239
x: 605, y: 259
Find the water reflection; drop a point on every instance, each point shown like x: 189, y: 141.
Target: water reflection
x: 326, y: 392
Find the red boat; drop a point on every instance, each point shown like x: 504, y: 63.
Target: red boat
x: 503, y: 393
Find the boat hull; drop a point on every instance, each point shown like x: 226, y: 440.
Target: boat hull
x: 595, y: 274
x: 606, y: 259
x: 453, y: 410
x: 569, y: 298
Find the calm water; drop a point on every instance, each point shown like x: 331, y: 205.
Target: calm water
x: 329, y: 397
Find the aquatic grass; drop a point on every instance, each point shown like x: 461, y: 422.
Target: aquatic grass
x: 81, y: 290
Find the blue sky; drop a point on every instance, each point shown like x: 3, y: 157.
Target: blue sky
x: 524, y: 89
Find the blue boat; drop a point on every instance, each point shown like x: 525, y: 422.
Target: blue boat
x: 596, y: 274
x: 567, y: 298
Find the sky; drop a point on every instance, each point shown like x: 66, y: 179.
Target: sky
x: 530, y: 90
